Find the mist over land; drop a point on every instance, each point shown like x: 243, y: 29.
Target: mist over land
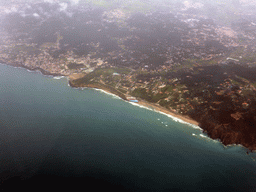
x: 191, y: 58
x: 194, y: 59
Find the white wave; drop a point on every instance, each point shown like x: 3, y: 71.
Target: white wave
x: 135, y: 104
x: 179, y: 120
x: 141, y: 106
x: 100, y: 90
x: 111, y: 94
x: 58, y: 77
x: 203, y: 136
x: 172, y: 117
x: 16, y: 67
x: 234, y: 145
x: 37, y: 71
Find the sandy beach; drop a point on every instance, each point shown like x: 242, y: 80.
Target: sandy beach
x: 168, y: 112
x: 158, y: 108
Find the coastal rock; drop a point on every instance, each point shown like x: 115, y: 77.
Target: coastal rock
x: 241, y: 131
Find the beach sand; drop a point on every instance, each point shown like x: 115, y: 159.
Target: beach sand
x: 157, y: 108
x: 141, y: 102
x: 168, y: 112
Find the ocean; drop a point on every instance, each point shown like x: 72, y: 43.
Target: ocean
x: 56, y: 136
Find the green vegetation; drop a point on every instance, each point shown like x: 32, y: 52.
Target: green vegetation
x: 246, y: 56
x: 249, y: 58
x: 158, y: 97
x: 168, y: 88
x: 110, y: 71
x: 122, y: 90
x: 137, y: 6
x: 48, y: 45
x: 142, y: 93
x: 75, y: 66
x: 164, y: 103
x: 29, y: 50
x: 193, y: 62
x: 24, y: 48
x: 106, y: 74
x: 100, y: 3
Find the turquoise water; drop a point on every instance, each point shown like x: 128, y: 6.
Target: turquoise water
x: 50, y: 129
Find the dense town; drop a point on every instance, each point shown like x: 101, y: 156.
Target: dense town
x: 181, y: 60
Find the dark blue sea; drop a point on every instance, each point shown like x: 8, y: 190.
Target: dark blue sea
x: 56, y: 137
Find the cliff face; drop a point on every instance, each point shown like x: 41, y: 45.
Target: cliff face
x: 230, y: 128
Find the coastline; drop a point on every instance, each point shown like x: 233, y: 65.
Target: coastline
x: 159, y: 109
x: 141, y: 102
x: 44, y: 72
x: 167, y: 112
x: 106, y: 88
x: 151, y: 106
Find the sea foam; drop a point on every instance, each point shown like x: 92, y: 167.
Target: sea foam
x: 141, y: 106
x: 203, y: 135
x: 58, y: 77
x: 111, y: 94
x: 176, y: 119
x: 168, y: 115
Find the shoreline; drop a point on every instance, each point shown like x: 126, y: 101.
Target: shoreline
x: 44, y: 72
x: 106, y: 88
x: 172, y: 115
x: 150, y: 106
x: 167, y: 112
x: 141, y: 102
x: 159, y: 109
x: 146, y: 104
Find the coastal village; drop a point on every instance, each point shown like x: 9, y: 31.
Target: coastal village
x: 181, y: 61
